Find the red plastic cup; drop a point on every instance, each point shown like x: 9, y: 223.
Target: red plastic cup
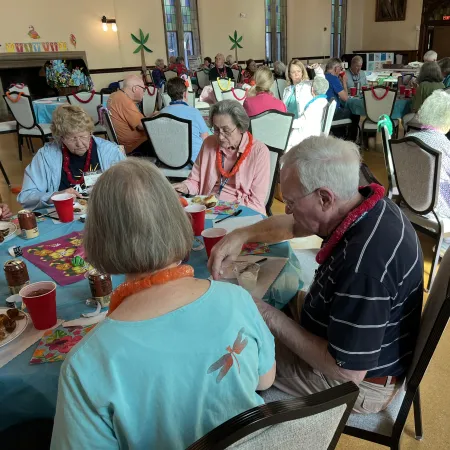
x: 211, y: 237
x: 42, y: 307
x: 64, y: 206
x: 407, y: 93
x: 353, y: 91
x: 197, y: 213
x: 402, y: 89
x: 413, y: 91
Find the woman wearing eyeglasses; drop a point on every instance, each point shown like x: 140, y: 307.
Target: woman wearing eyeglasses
x: 232, y: 165
x: 60, y: 166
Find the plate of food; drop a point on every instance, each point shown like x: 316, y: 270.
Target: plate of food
x: 13, y: 322
x: 208, y: 200
x: 7, y: 231
x: 80, y: 206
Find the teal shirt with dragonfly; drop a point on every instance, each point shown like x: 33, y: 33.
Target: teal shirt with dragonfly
x: 165, y: 382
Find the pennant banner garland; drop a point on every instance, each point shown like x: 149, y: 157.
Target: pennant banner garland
x: 35, y: 47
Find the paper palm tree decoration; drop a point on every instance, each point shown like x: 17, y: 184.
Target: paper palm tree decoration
x: 236, y: 44
x: 142, y: 48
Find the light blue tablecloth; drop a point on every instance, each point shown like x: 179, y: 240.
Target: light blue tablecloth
x: 356, y: 106
x: 29, y: 392
x: 44, y: 110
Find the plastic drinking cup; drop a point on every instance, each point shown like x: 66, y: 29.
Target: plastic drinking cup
x: 407, y: 93
x: 402, y: 89
x: 64, y: 206
x: 211, y: 237
x: 197, y: 213
x: 353, y: 91
x: 41, y: 306
x: 248, y: 277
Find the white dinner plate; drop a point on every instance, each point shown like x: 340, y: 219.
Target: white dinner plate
x: 12, y: 230
x: 21, y: 326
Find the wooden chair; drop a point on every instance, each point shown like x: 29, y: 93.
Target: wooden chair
x: 314, y: 422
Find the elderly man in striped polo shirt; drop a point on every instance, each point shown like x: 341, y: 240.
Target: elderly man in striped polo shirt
x: 360, y: 319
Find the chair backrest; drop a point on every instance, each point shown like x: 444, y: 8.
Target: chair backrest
x: 171, y: 137
x: 275, y: 155
x: 107, y: 123
x: 329, y: 114
x: 314, y: 422
x: 202, y: 79
x: 392, y: 183
x: 191, y: 98
x: 19, y: 87
x: 166, y: 99
x: 237, y: 94
x: 236, y: 75
x: 22, y: 109
x: 169, y: 74
x: 272, y: 127
x: 105, y: 98
x: 88, y: 101
x: 274, y: 90
x: 435, y: 316
x: 149, y: 100
x: 221, y: 86
x: 281, y: 84
x: 376, y: 107
x: 120, y: 84
x: 417, y: 168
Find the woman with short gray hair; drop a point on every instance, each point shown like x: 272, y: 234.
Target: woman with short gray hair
x: 231, y: 164
x: 161, y: 350
x: 158, y: 73
x: 434, y: 118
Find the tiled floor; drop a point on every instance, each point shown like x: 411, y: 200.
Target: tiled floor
x: 435, y: 390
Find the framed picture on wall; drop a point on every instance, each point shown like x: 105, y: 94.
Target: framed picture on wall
x: 390, y: 10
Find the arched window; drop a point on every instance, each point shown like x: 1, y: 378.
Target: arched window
x: 338, y: 21
x: 276, y: 30
x: 181, y: 25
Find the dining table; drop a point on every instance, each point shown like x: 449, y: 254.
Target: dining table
x: 44, y: 107
x: 402, y: 106
x: 29, y: 391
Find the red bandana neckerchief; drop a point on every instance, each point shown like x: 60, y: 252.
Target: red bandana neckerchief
x: 66, y: 161
x: 248, y: 149
x: 349, y: 220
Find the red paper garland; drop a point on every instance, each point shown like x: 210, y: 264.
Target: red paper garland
x: 84, y: 101
x: 236, y: 97
x: 66, y: 161
x: 17, y: 85
x: 19, y: 95
x: 386, y: 92
x: 148, y: 90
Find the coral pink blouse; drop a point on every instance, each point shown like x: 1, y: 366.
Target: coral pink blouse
x: 261, y: 102
x: 249, y: 186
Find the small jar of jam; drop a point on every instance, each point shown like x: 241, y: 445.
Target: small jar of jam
x: 16, y: 274
x: 101, y: 287
x: 28, y: 224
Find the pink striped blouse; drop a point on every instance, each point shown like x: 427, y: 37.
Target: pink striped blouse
x: 249, y: 186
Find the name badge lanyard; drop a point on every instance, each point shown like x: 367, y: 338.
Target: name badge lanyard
x: 224, y: 180
x: 311, y: 102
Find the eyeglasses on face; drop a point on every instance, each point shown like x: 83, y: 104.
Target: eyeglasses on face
x: 72, y: 140
x: 225, y: 132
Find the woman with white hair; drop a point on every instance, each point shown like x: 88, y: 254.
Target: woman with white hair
x: 156, y: 373
x: 430, y: 56
x: 232, y: 165
x: 60, y: 165
x: 311, y: 118
x: 259, y: 97
x: 158, y: 73
x: 279, y: 70
x: 434, y: 117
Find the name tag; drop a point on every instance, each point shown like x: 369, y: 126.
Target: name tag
x: 90, y: 178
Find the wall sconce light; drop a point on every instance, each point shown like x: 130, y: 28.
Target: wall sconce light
x: 105, y: 22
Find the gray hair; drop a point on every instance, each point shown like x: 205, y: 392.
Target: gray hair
x: 444, y: 64
x: 320, y: 85
x: 279, y: 68
x: 435, y: 111
x: 159, y: 61
x: 357, y: 59
x: 430, y: 56
x: 326, y: 162
x: 431, y: 72
x: 233, y: 109
x: 135, y: 223
x: 332, y: 63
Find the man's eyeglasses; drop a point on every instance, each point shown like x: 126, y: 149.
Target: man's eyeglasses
x: 217, y: 131
x: 142, y: 87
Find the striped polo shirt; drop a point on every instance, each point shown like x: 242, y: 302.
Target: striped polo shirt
x: 366, y: 298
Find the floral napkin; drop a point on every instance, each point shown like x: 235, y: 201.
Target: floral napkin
x: 55, y: 344
x: 254, y: 248
x: 223, y: 208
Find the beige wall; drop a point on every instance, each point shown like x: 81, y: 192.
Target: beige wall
x: 306, y: 21
x: 217, y: 20
x: 366, y: 34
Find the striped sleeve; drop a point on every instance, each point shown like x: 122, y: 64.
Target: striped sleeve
x: 359, y: 315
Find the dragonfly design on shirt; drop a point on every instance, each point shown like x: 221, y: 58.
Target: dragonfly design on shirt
x: 226, y: 361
